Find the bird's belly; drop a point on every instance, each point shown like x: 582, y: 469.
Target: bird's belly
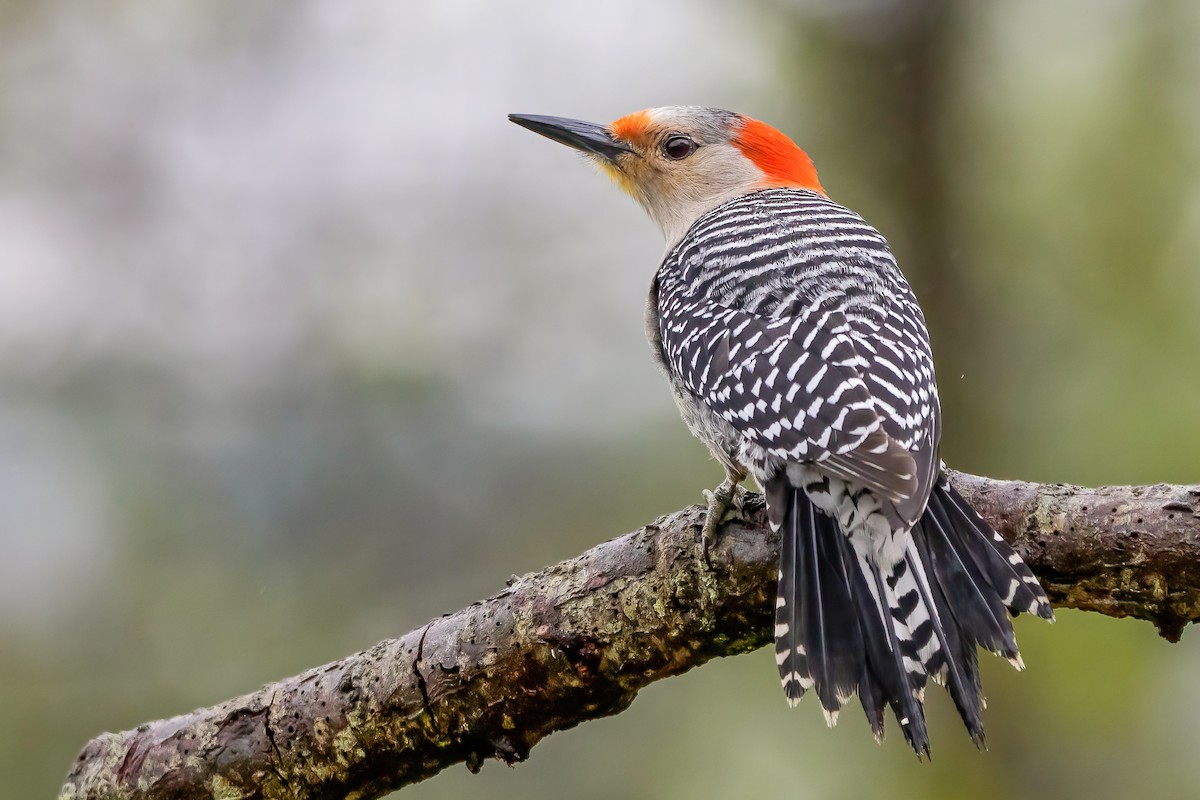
x: 722, y: 440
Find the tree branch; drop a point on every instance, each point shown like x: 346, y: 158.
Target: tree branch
x: 577, y: 641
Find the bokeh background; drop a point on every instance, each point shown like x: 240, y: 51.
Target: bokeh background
x: 301, y: 344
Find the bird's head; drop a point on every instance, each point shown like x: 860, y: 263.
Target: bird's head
x: 680, y: 162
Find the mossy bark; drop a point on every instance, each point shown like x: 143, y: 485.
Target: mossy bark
x: 577, y: 641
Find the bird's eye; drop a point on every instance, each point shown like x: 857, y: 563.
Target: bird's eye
x: 678, y: 146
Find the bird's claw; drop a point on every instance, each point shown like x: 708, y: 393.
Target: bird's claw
x: 726, y: 502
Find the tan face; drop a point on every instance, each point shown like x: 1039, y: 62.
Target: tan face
x: 683, y: 163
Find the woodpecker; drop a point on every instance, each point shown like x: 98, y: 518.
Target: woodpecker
x: 798, y: 354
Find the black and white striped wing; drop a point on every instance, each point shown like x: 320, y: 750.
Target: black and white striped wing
x: 793, y: 386
x: 902, y: 384
x: 786, y: 315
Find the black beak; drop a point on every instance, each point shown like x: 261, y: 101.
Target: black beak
x: 586, y: 136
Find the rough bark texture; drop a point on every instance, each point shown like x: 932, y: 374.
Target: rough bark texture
x: 579, y: 639
x: 1125, y: 551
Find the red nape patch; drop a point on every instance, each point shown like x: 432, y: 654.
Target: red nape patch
x: 777, y: 156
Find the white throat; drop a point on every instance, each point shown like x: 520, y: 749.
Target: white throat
x: 717, y: 174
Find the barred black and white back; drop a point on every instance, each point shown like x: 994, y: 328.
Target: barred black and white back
x: 797, y: 350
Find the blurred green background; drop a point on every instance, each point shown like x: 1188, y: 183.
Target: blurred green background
x: 301, y: 343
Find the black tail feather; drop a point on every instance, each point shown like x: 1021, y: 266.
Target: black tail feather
x: 1006, y: 571
x: 873, y: 697
x: 958, y: 654
x: 789, y: 653
x: 818, y: 642
x: 972, y: 599
x: 834, y: 642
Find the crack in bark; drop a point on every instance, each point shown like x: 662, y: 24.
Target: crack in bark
x: 424, y: 689
x: 277, y: 766
x: 578, y: 640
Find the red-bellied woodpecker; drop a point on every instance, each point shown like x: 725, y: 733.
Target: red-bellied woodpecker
x: 797, y: 352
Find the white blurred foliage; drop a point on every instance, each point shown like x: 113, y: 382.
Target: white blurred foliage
x: 53, y: 516
x: 225, y: 191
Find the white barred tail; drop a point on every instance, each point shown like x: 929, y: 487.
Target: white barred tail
x: 845, y: 625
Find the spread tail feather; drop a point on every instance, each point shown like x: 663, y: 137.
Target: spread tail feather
x: 973, y: 579
x: 993, y: 557
x: 844, y: 624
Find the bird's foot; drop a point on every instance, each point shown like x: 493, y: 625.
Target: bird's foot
x: 726, y: 502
